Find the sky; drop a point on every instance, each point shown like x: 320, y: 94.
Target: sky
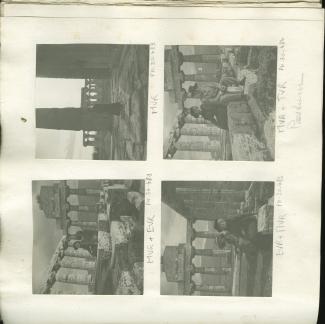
x: 59, y: 144
x: 173, y: 232
x: 46, y: 238
x: 47, y: 234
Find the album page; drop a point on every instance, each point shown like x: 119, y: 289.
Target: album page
x: 160, y: 165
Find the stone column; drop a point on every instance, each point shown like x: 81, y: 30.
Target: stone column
x: 87, y: 142
x: 78, y: 263
x: 189, y: 119
x: 199, y: 77
x: 79, y: 253
x: 88, y: 225
x: 204, y: 234
x: 98, y: 118
x: 211, y: 146
x: 87, y: 216
x: 210, y: 252
x: 200, y: 130
x: 83, y: 191
x: 75, y: 61
x: 75, y: 276
x: 201, y: 58
x: 82, y: 208
x: 211, y: 270
x: 90, y: 84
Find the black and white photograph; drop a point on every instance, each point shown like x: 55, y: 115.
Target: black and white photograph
x: 217, y: 238
x: 91, y: 101
x: 220, y: 102
x: 88, y: 237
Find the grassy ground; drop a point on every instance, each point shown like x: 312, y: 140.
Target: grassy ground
x: 263, y: 59
x: 266, y: 58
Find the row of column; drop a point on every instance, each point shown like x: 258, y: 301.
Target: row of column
x: 87, y: 214
x: 199, y: 126
x: 76, y: 267
x: 81, y: 208
x: 90, y: 138
x: 221, y: 270
x: 89, y: 93
x: 199, y: 77
x: 196, y: 128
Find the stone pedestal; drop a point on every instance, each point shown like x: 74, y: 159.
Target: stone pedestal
x: 79, y: 253
x: 88, y: 225
x: 210, y: 288
x: 87, y: 216
x: 212, y: 270
x: 200, y: 130
x: 78, y: 263
x: 76, y: 276
x: 211, y: 146
x: 189, y: 119
x: 211, y: 252
x: 82, y: 208
x: 200, y: 77
x: 204, y: 234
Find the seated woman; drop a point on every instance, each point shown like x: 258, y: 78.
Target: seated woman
x: 122, y: 207
x: 87, y: 240
x: 91, y: 248
x: 216, y: 114
x: 215, y: 109
x: 202, y: 92
x: 240, y: 231
x: 229, y: 85
x: 227, y: 94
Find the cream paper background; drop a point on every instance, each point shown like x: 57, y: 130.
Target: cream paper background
x: 298, y: 161
x: 177, y: 3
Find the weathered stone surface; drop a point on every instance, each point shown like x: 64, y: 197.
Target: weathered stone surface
x: 76, y: 276
x: 78, y: 263
x: 81, y: 253
x: 246, y: 147
x: 200, y: 130
x: 212, y: 146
